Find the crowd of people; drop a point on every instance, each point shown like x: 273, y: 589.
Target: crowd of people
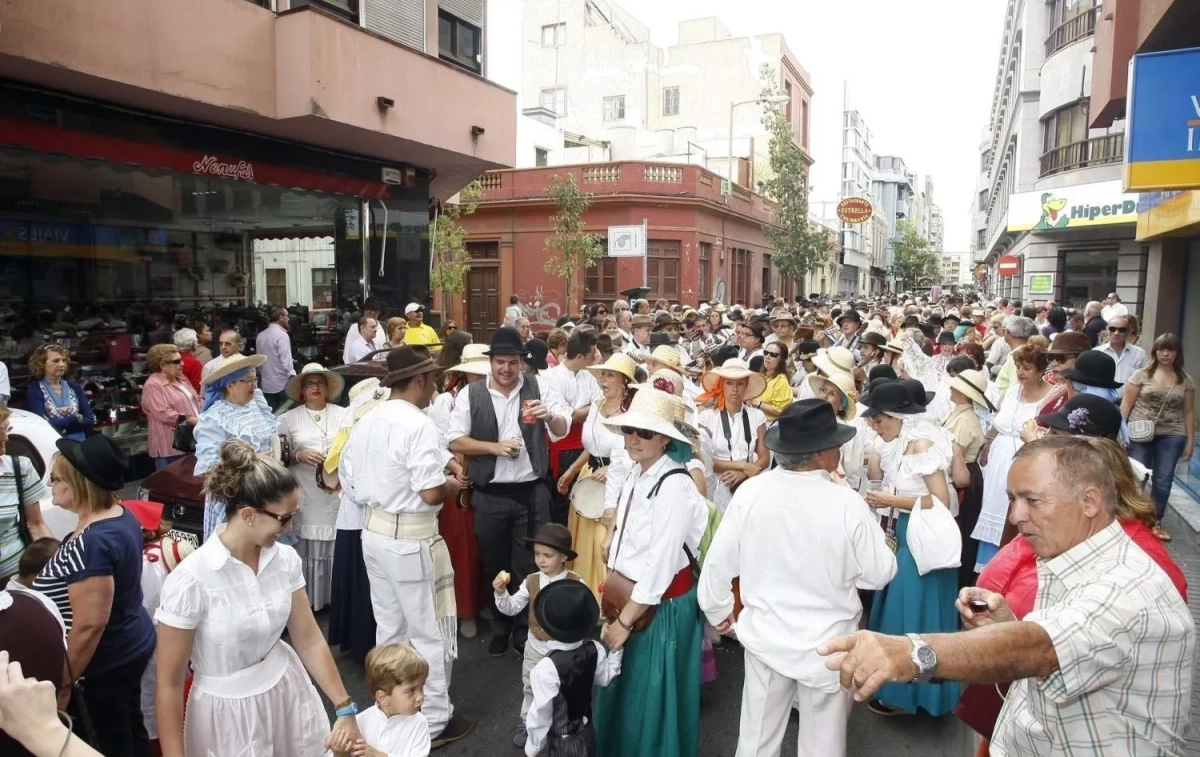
x: 949, y: 506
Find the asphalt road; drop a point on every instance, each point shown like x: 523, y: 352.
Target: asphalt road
x: 489, y: 689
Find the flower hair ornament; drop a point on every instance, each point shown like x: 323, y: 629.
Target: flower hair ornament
x: 664, y: 385
x: 1079, y: 419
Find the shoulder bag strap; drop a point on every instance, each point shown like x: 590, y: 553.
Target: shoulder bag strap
x: 22, y: 520
x: 624, y: 520
x: 729, y: 434
x: 654, y: 493
x: 1165, y: 401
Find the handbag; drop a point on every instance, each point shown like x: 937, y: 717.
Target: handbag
x: 185, y: 439
x: 618, y: 588
x: 1143, y: 430
x: 980, y: 705
x: 933, y: 538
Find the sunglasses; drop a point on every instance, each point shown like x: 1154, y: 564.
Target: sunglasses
x: 1061, y: 358
x: 775, y: 355
x: 283, y: 520
x: 178, y: 361
x: 451, y: 329
x: 640, y: 433
x: 1118, y: 329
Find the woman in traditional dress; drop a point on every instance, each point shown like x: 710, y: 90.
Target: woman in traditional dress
x: 736, y: 427
x: 968, y: 393
x: 912, y: 457
x: 225, y: 609
x: 310, y: 428
x: 838, y: 390
x: 653, y: 708
x: 594, y: 496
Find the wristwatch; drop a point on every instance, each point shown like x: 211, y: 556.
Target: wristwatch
x: 924, y: 658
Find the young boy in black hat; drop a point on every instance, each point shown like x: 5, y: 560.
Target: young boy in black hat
x: 559, y: 720
x: 551, y: 551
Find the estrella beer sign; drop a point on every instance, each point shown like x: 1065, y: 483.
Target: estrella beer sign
x: 1162, y: 134
x: 855, y: 210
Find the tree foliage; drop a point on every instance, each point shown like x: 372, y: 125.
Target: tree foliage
x: 801, y: 246
x: 571, y: 247
x: 447, y: 241
x: 913, y: 261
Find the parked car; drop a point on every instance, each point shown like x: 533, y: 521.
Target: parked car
x: 181, y: 493
x: 33, y: 437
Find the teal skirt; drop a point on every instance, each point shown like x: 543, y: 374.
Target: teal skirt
x: 653, y: 708
x: 913, y: 603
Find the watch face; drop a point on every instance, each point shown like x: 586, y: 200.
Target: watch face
x: 926, y: 658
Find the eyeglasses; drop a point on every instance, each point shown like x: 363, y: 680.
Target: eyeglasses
x: 250, y: 380
x: 640, y: 433
x: 1118, y: 329
x: 314, y: 383
x: 775, y: 355
x: 283, y: 520
x: 1061, y: 358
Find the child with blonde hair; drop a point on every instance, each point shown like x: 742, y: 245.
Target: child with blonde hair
x: 394, y: 725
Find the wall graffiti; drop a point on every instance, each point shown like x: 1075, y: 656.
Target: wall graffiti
x: 541, y: 308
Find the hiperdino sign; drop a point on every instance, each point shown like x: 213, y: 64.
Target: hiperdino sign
x: 1074, y: 207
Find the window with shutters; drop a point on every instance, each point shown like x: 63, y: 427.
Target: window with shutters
x: 347, y: 9
x: 614, y: 108
x: 459, y: 42
x: 554, y: 99
x: 702, y: 281
x: 766, y: 276
x: 601, y: 281
x: 662, y: 268
x: 670, y: 101
x: 741, y: 277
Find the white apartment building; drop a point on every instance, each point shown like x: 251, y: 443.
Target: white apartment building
x: 858, y: 165
x: 955, y: 268
x: 1050, y: 190
x: 894, y: 188
x: 937, y: 230
x: 594, y: 88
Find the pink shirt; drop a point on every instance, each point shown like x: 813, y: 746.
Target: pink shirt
x: 163, y: 402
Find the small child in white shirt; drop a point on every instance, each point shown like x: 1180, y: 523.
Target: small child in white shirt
x: 394, y: 726
x: 551, y: 551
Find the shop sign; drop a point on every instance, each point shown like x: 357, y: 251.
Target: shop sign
x: 1161, y: 213
x: 1040, y: 283
x: 855, y: 210
x: 211, y: 165
x: 1162, y: 133
x: 1008, y: 265
x: 1083, y: 206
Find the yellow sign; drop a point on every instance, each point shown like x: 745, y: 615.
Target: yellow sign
x: 1161, y: 213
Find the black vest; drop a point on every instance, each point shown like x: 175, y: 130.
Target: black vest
x: 486, y: 428
x: 576, y: 677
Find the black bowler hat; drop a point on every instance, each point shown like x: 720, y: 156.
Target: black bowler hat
x: 506, y: 341
x: 566, y: 610
x: 807, y: 426
x: 890, y: 397
x: 659, y: 338
x: 807, y: 349
x: 849, y: 315
x: 916, y: 390
x: 555, y: 537
x: 535, y: 354
x: 1093, y: 368
x: 1085, y: 415
x: 881, y: 371
x: 911, y: 321
x: 98, y: 459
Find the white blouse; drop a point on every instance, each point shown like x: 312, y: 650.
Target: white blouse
x: 600, y: 441
x: 318, y: 508
x: 237, y: 616
x: 735, y: 448
x: 648, y: 546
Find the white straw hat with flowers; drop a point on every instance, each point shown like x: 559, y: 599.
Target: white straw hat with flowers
x: 844, y: 383
x: 618, y: 362
x: 735, y: 368
x: 669, y: 382
x: 651, y: 411
x: 335, y: 383
x: 474, y: 361
x: 834, y: 360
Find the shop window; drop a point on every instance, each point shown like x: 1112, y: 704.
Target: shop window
x: 702, y: 280
x: 324, y: 281
x: 614, y: 108
x: 670, y: 101
x: 459, y: 42
x: 662, y: 268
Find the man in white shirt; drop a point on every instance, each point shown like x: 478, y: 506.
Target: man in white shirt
x: 394, y: 464
x: 230, y: 343
x: 368, y: 330
x: 1113, y: 307
x: 778, y: 525
x: 578, y: 389
x: 1101, y: 666
x: 355, y: 343
x: 1128, y: 357
x: 625, y: 325
x: 503, y: 425
x: 639, y: 332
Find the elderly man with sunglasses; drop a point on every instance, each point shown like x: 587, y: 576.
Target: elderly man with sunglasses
x: 1128, y: 357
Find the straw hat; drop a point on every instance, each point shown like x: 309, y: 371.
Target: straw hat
x: 834, y: 360
x: 735, y: 368
x: 174, y: 548
x: 844, y: 383
x: 335, y: 383
x: 618, y: 362
x: 664, y: 380
x: 366, y: 385
x: 972, y: 384
x: 232, y: 365
x: 651, y: 411
x: 895, y: 346
x: 475, y: 361
x: 666, y: 355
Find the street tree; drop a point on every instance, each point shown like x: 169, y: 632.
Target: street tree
x: 447, y: 242
x: 571, y: 248
x: 912, y: 261
x: 801, y: 246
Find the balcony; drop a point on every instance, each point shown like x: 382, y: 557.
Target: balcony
x: 1097, y: 151
x: 1072, y: 30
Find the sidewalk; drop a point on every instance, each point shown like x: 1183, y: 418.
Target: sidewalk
x: 1183, y: 521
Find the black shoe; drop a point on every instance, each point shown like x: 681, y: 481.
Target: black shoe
x: 879, y: 708
x: 498, y: 646
x: 518, y: 648
x: 459, y: 726
x: 520, y: 736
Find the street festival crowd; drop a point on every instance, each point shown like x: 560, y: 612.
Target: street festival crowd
x: 949, y: 506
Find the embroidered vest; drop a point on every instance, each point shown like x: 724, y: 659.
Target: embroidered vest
x: 576, y: 676
x: 485, y: 428
x: 533, y: 585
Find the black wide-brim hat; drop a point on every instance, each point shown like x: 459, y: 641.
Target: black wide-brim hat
x: 505, y: 341
x: 554, y: 536
x: 890, y: 397
x: 849, y: 315
x: 98, y: 458
x: 807, y: 426
x: 1093, y: 368
x: 1085, y: 415
x: 920, y: 395
x: 535, y: 354
x: 566, y: 610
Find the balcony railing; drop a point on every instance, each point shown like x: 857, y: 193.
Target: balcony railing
x: 1072, y: 30
x: 1097, y: 151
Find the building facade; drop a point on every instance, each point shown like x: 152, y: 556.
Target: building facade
x: 1053, y: 196
x: 894, y: 188
x: 858, y: 166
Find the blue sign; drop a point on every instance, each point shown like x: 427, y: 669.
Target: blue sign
x: 1162, y: 141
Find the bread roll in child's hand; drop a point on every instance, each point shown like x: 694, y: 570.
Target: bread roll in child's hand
x: 502, y: 579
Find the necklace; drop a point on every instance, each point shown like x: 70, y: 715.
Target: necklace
x: 320, y: 419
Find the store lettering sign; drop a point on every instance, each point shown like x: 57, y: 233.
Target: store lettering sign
x: 1162, y: 140
x: 1080, y: 206
x: 212, y: 166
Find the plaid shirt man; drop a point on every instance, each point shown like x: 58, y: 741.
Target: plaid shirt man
x: 1125, y: 643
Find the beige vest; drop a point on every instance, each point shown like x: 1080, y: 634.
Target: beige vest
x: 533, y: 585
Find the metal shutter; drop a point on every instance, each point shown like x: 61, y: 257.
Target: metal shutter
x: 470, y: 11
x: 399, y: 20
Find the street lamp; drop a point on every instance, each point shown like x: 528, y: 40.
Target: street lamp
x: 772, y: 100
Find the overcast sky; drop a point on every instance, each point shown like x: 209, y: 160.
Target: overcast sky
x: 920, y: 72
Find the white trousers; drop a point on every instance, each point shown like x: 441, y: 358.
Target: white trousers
x: 767, y: 699
x: 401, y: 575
